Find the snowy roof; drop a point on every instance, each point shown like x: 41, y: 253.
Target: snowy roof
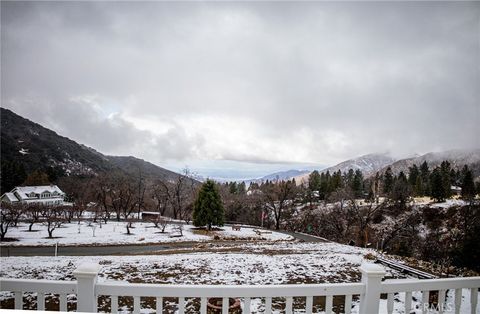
x: 11, y: 197
x: 23, y: 191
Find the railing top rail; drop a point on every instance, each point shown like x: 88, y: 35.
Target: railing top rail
x: 157, y: 290
x: 38, y: 285
x: 408, y: 285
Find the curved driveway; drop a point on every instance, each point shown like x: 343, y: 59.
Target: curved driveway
x: 124, y: 249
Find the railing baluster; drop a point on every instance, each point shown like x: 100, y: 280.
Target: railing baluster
x: 181, y: 305
x: 159, y: 305
x: 348, y: 304
x: 225, y: 305
x: 114, y: 304
x: 473, y: 300
x: 390, y: 303
x: 136, y: 305
x: 425, y: 301
x: 458, y: 300
x: 309, y: 305
x: 408, y: 302
x: 441, y: 301
x: 203, y: 305
x: 328, y: 304
x: 18, y: 300
x: 289, y: 305
x: 40, y: 302
x: 268, y: 305
x: 63, y: 302
x: 246, y: 307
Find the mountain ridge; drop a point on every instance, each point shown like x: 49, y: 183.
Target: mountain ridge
x: 30, y: 145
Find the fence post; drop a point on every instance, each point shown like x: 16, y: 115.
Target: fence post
x: 86, y: 275
x: 372, y: 275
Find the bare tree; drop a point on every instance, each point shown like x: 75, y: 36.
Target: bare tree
x: 279, y: 197
x: 161, y: 197
x: 363, y: 215
x: 129, y: 225
x: 140, y: 192
x: 160, y: 222
x: 9, y: 214
x: 180, y: 193
x: 53, y: 218
x: 32, y: 213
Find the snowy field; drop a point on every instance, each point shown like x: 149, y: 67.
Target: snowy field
x: 261, y: 263
x: 116, y: 233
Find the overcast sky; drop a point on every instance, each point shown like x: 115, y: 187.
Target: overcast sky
x: 246, y: 86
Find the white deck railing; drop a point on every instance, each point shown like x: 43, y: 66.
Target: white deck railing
x: 369, y: 291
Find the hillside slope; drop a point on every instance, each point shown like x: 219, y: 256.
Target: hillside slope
x: 458, y: 158
x: 368, y: 164
x: 29, y: 145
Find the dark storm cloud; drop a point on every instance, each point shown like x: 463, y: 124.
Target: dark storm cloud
x: 313, y: 82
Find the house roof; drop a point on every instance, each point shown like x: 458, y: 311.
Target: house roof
x: 23, y: 191
x: 10, y: 196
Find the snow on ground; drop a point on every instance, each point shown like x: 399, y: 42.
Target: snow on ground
x: 275, y: 263
x: 116, y: 233
x: 259, y: 263
x: 451, y: 202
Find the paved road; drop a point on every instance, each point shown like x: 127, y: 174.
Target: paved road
x: 121, y: 249
x: 92, y: 250
x: 304, y: 237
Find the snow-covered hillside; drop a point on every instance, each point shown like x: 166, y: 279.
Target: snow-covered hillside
x: 458, y: 158
x: 368, y: 164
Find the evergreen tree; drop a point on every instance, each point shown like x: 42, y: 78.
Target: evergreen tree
x: 242, y: 189
x: 388, y: 181
x: 468, y: 186
x: 425, y: 175
x: 232, y: 187
x: 13, y: 174
x: 208, y: 208
x: 337, y: 181
x: 446, y: 178
x: 419, y: 190
x: 400, y: 191
x: 437, y: 185
x: 37, y: 178
x: 357, y: 183
x: 323, y: 186
x: 349, y: 177
x: 413, y: 174
x: 314, y: 181
x: 328, y: 183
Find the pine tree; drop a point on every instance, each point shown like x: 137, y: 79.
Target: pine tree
x: 400, y: 190
x: 413, y: 174
x: 37, y: 178
x: 314, y: 181
x: 446, y: 178
x: 13, y: 174
x: 468, y: 186
x: 388, y: 181
x: 357, y: 183
x: 437, y: 185
x: 425, y: 175
x: 208, y: 208
x: 232, y: 186
x: 418, y: 190
x: 242, y: 189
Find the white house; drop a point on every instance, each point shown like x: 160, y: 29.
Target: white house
x: 43, y: 194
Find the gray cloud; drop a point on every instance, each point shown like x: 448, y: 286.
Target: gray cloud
x: 256, y: 81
